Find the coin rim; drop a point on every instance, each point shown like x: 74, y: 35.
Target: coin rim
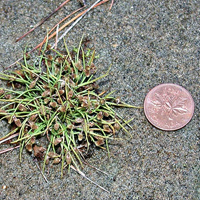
x: 167, y: 84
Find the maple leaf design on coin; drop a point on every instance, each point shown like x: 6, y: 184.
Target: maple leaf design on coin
x: 170, y: 106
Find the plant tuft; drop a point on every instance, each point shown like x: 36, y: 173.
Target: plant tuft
x: 57, y: 100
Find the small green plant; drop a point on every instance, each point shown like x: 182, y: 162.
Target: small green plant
x: 55, y: 107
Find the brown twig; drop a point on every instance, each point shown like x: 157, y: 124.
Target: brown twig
x: 9, y: 149
x: 61, y: 28
x: 66, y: 24
x: 9, y: 138
x: 43, y: 20
x: 111, y: 4
x: 77, y: 20
x: 41, y: 44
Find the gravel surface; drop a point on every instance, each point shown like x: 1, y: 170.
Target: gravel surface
x: 147, y: 43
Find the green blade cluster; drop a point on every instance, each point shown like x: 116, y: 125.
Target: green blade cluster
x: 58, y: 99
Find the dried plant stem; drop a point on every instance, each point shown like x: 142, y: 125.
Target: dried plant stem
x: 9, y: 138
x: 9, y: 149
x: 45, y: 39
x: 95, y: 168
x: 42, y: 21
x: 41, y: 172
x: 57, y: 25
x: 61, y: 28
x: 79, y: 18
x: 9, y: 134
x: 111, y: 4
x: 56, y: 42
x: 84, y: 176
x: 104, y: 1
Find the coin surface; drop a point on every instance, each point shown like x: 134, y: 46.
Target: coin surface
x: 169, y: 106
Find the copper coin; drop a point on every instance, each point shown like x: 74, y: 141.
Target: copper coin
x: 169, y: 106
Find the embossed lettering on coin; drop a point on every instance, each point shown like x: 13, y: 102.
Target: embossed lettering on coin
x: 169, y: 106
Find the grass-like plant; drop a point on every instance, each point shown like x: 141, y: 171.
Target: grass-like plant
x: 57, y: 100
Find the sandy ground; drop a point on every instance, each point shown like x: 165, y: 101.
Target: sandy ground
x: 147, y: 43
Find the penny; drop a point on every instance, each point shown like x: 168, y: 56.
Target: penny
x: 168, y: 106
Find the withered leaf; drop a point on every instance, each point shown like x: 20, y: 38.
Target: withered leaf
x: 56, y: 126
x: 57, y: 141
x: 38, y: 152
x: 56, y: 160
x: 17, y: 122
x: 29, y: 147
x: 46, y: 93
x: 22, y: 108
x: 53, y: 104
x: 100, y: 116
x: 33, y: 117
x: 68, y: 158
x: 117, y: 126
x: 52, y: 154
x: 32, y: 84
x: 107, y: 129
x: 100, y: 141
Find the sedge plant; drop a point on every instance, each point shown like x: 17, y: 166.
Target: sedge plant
x: 57, y: 99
